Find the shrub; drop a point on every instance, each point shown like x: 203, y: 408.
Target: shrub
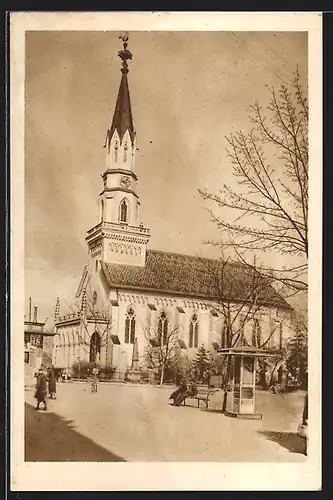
x: 84, y: 369
x: 81, y: 369
x: 106, y: 372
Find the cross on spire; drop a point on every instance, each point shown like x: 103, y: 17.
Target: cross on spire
x: 125, y: 54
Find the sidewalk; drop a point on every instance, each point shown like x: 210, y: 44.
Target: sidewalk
x: 50, y: 437
x: 137, y: 423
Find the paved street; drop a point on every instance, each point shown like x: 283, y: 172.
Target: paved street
x: 136, y: 423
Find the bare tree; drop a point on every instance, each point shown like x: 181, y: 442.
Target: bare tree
x: 270, y: 165
x: 163, y: 350
x: 240, y: 295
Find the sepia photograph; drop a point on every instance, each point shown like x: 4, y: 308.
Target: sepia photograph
x: 166, y: 241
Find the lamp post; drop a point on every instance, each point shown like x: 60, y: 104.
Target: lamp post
x: 79, y: 359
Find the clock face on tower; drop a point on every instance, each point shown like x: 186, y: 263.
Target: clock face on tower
x: 125, y: 181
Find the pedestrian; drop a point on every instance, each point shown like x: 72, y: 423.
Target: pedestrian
x: 41, y: 388
x: 52, y: 382
x: 94, y: 379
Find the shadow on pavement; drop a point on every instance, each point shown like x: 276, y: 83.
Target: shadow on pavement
x: 289, y: 440
x: 50, y: 438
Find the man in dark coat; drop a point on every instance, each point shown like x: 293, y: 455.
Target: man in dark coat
x: 179, y: 394
x: 52, y: 382
x: 41, y: 388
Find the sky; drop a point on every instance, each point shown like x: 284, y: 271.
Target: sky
x: 189, y: 90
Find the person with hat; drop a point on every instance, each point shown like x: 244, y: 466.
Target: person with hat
x: 41, y: 388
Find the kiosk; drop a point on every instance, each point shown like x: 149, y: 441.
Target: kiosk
x: 243, y: 380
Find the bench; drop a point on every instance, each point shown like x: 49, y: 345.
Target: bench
x: 203, y: 394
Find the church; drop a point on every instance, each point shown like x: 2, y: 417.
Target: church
x: 132, y: 299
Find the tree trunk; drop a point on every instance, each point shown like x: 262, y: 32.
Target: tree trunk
x: 225, y: 385
x: 162, y: 375
x: 225, y: 400
x: 272, y: 372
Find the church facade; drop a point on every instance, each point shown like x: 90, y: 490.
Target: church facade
x: 130, y: 295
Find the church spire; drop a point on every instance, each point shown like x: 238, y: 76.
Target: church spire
x: 119, y: 238
x: 122, y: 118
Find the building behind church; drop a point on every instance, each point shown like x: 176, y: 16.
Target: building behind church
x: 130, y: 294
x: 38, y: 344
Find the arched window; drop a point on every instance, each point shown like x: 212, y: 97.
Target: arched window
x: 125, y: 151
x: 74, y: 342
x: 102, y: 210
x: 241, y: 339
x: 123, y: 211
x: 95, y: 347
x: 256, y: 333
x: 194, y: 332
x: 116, y: 151
x: 130, y: 326
x: 224, y: 335
x: 162, y: 329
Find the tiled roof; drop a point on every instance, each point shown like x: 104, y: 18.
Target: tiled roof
x: 190, y: 276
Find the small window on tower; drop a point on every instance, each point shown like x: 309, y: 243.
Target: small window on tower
x: 125, y: 151
x: 123, y: 211
x: 116, y: 151
x: 102, y: 210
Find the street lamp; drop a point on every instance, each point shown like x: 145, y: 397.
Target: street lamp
x: 78, y: 359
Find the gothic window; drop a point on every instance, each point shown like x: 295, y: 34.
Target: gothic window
x: 116, y: 151
x: 162, y: 329
x: 95, y: 347
x: 194, y: 332
x: 102, y: 210
x: 224, y: 336
x: 123, y: 211
x: 241, y: 339
x: 125, y: 151
x: 130, y: 326
x: 256, y: 333
x: 73, y: 343
x: 272, y: 329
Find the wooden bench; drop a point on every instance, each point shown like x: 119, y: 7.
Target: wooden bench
x: 203, y: 394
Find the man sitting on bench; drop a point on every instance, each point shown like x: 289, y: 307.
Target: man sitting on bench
x: 182, y: 392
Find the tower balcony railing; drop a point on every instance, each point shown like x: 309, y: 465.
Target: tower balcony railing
x: 120, y: 225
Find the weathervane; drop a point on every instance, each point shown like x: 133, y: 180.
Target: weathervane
x: 124, y: 54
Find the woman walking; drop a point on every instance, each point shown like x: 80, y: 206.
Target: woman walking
x: 52, y: 382
x: 41, y: 388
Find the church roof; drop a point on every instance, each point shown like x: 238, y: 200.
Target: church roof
x: 191, y: 276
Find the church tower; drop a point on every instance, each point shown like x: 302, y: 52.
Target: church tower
x: 118, y: 237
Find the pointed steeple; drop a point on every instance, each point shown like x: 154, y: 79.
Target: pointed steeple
x: 122, y: 118
x: 118, y: 238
